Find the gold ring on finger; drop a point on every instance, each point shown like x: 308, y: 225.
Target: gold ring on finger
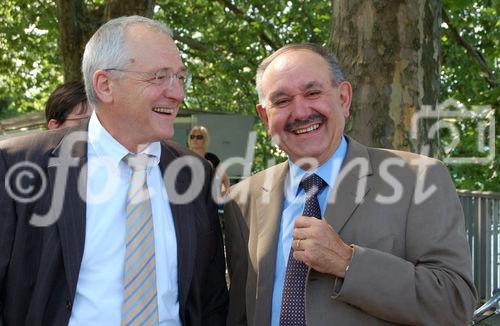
x: 298, y: 244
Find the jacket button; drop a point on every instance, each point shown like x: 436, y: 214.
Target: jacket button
x: 68, y: 305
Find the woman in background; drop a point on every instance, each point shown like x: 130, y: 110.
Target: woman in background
x: 198, y: 142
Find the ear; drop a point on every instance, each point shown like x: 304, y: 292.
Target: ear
x: 345, y: 95
x: 102, y: 86
x: 52, y: 124
x: 261, y: 111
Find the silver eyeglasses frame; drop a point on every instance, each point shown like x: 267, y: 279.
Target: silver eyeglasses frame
x: 161, y: 76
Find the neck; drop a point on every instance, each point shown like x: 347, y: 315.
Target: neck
x: 199, y: 151
x: 122, y: 136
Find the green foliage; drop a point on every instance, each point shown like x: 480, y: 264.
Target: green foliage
x: 464, y: 80
x: 223, y: 41
x: 30, y: 66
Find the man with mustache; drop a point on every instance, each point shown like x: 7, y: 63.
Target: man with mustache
x: 340, y: 234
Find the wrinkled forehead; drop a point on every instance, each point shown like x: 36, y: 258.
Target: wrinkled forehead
x: 147, y: 45
x: 295, y: 69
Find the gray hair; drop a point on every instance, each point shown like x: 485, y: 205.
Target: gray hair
x: 107, y: 49
x: 336, y: 73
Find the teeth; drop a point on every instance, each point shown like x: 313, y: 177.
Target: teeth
x: 163, y: 110
x: 311, y: 128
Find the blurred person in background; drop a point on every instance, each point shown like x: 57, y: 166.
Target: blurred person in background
x: 198, y: 141
x: 67, y: 105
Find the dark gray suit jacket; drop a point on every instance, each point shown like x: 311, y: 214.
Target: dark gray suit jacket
x: 411, y: 262
x: 39, y: 266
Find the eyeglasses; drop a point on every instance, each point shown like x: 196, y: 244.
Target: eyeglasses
x: 161, y: 76
x: 199, y: 137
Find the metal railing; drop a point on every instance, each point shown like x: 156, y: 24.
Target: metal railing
x: 482, y: 222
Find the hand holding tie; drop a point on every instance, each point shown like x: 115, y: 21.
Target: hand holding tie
x: 316, y: 244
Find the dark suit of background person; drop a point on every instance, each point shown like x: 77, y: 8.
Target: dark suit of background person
x: 40, y: 266
x: 408, y: 262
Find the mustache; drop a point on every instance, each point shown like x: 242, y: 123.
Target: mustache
x: 313, y: 118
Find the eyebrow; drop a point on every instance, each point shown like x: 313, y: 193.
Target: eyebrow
x: 312, y: 84
x: 307, y: 86
x: 276, y: 94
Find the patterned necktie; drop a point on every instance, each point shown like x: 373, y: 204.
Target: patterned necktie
x: 140, y: 305
x: 293, y: 297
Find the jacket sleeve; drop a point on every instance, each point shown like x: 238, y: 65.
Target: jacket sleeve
x: 236, y: 251
x: 432, y: 284
x: 7, y: 229
x: 215, y: 297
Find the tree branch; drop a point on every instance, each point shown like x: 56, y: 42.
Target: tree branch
x: 473, y: 52
x: 242, y: 15
x: 192, y: 43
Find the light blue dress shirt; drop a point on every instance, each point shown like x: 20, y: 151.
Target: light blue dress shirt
x: 293, y: 206
x: 99, y: 291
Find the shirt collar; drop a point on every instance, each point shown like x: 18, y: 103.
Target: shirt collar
x: 328, y: 171
x: 109, y: 149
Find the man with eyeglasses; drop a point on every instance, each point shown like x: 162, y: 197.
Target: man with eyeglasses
x: 67, y: 106
x: 340, y: 234
x: 109, y: 222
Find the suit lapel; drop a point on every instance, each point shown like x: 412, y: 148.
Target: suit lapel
x: 269, y: 205
x: 351, y: 186
x: 71, y: 222
x: 185, y: 229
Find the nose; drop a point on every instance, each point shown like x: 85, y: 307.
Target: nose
x: 176, y: 91
x: 300, y: 108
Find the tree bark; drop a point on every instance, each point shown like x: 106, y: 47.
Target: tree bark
x: 390, y: 52
x: 77, y: 23
x: 71, y: 37
x: 118, y: 8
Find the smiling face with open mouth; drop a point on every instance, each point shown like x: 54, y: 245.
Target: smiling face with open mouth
x: 143, y: 104
x: 303, y: 112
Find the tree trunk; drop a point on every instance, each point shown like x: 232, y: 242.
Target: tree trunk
x: 118, y: 8
x: 71, y: 37
x: 390, y: 52
x: 77, y: 23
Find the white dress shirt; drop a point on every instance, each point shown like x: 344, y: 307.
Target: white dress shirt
x: 99, y: 291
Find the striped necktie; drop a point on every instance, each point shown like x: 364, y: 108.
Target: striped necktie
x: 140, y: 306
x: 292, y: 311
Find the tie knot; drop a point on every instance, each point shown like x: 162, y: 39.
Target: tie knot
x: 137, y: 162
x: 312, y: 184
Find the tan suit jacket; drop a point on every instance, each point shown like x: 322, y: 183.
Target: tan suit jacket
x: 411, y: 262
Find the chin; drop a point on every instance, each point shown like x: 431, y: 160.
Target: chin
x: 165, y: 134
x: 313, y: 157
